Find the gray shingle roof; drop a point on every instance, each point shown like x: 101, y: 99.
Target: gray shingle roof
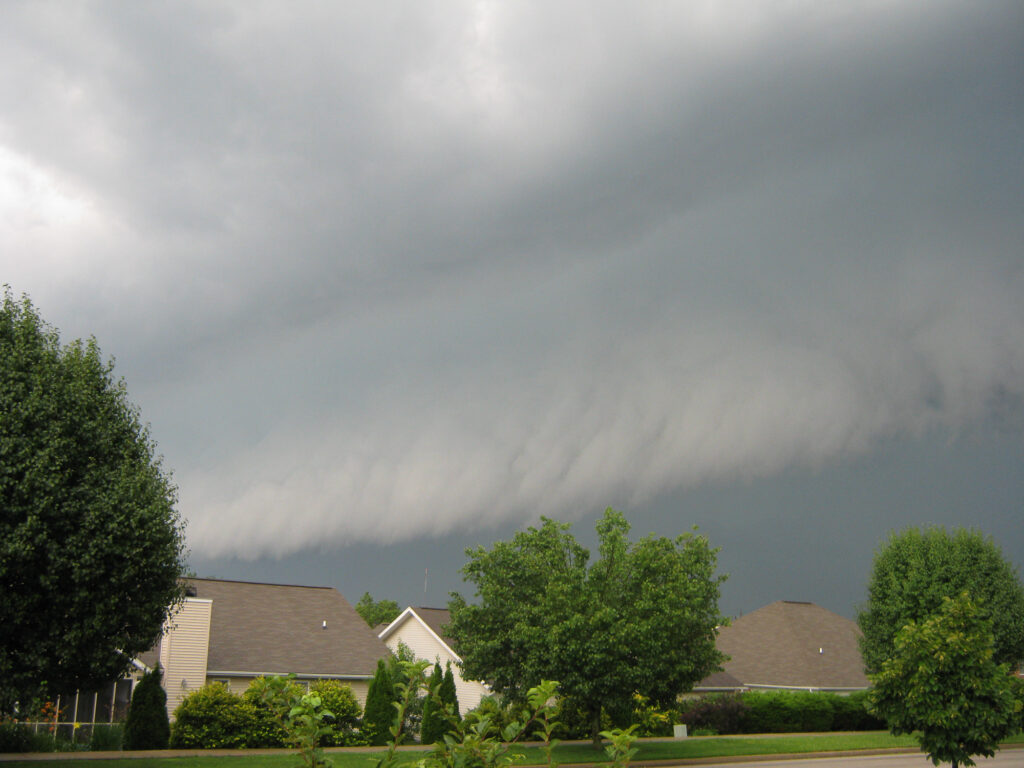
x: 792, y: 644
x: 278, y: 628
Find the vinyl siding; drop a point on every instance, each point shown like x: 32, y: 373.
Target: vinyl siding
x: 424, y: 644
x: 183, y: 650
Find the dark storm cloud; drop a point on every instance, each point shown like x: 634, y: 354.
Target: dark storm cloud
x: 380, y: 272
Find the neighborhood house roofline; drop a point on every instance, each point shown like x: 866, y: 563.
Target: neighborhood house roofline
x: 410, y: 612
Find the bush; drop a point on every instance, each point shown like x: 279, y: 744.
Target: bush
x: 717, y: 713
x: 214, y: 718
x: 147, y: 726
x: 337, y: 698
x: 650, y: 719
x: 15, y: 737
x: 851, y: 714
x: 380, y: 710
x: 106, y: 738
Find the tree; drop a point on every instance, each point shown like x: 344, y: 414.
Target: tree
x: 640, y: 619
x: 943, y: 684
x: 379, y: 712
x: 433, y: 726
x: 449, y: 696
x: 376, y: 612
x: 91, y: 546
x: 917, y: 569
x: 147, y: 725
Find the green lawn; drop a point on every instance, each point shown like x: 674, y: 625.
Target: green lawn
x: 712, y: 746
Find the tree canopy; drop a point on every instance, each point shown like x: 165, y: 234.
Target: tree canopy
x: 913, y: 573
x: 942, y: 684
x: 376, y: 612
x: 641, y: 618
x: 91, y: 545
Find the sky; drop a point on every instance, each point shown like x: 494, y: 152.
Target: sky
x: 388, y: 280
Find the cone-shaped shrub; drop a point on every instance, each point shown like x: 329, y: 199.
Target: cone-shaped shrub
x: 448, y: 696
x: 379, y: 714
x: 434, y: 726
x: 147, y: 725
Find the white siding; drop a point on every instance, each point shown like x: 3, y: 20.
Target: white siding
x: 183, y: 650
x: 425, y: 645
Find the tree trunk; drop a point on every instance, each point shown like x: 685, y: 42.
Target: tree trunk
x: 595, y: 727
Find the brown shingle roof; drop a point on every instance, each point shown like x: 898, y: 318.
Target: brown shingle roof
x: 436, y: 619
x: 792, y: 644
x: 278, y: 628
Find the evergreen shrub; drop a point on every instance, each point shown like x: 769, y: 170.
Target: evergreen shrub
x: 380, y: 711
x: 147, y: 725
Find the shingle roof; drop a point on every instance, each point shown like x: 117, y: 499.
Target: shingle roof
x: 792, y: 644
x: 279, y: 628
x: 437, y: 619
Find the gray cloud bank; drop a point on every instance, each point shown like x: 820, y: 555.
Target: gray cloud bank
x: 387, y: 271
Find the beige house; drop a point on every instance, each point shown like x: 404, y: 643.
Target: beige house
x: 422, y: 630
x: 236, y: 631
x: 789, y: 645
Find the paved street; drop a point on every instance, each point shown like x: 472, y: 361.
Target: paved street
x: 1007, y: 758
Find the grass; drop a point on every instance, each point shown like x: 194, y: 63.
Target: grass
x: 688, y: 749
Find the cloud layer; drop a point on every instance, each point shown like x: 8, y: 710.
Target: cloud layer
x: 375, y: 273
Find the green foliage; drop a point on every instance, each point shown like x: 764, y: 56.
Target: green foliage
x: 787, y: 712
x: 718, y: 713
x: 106, y: 738
x: 449, y: 697
x: 777, y: 712
x: 620, y: 750
x: 915, y: 570
x: 15, y: 737
x: 338, y: 699
x: 851, y: 713
x: 147, y: 726
x: 434, y: 725
x: 379, y: 712
x: 650, y: 719
x: 214, y: 718
x: 477, y: 741
x: 640, y: 619
x: 90, y: 543
x: 943, y: 684
x: 376, y: 612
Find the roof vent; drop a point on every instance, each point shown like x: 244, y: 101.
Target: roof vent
x: 325, y: 623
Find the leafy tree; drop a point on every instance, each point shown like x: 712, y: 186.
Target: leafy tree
x: 913, y: 573
x: 90, y: 543
x: 943, y: 684
x: 379, y: 712
x: 640, y: 619
x: 376, y: 612
x: 449, y: 696
x: 433, y: 725
x: 147, y: 725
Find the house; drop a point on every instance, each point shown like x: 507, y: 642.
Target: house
x: 790, y: 645
x: 423, y: 631
x: 236, y: 631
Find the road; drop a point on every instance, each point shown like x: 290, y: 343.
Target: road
x: 1006, y: 758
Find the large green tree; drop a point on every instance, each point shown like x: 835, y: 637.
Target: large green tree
x: 641, y: 618
x: 376, y: 612
x: 943, y: 685
x: 915, y: 570
x: 91, y: 546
